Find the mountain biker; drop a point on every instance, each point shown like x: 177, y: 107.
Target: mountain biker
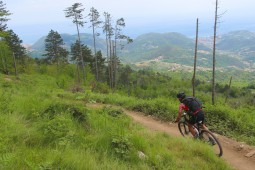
x: 194, y: 109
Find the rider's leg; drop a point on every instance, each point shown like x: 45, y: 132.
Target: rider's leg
x: 204, y: 127
x: 192, y: 130
x: 192, y: 121
x: 200, y: 121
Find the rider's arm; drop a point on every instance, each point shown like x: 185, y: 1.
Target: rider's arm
x: 181, y: 108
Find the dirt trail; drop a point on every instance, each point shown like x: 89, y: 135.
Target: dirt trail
x: 238, y: 155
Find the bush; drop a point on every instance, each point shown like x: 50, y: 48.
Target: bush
x: 58, y: 108
x: 122, y: 146
x: 112, y: 111
x: 100, y: 88
x: 58, y: 131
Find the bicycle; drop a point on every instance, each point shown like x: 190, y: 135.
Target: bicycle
x: 203, y: 134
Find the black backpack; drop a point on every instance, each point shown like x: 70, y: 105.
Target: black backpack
x: 193, y: 103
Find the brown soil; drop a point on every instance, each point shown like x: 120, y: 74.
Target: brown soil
x: 237, y: 154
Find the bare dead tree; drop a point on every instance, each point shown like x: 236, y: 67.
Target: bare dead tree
x: 214, y: 49
x: 195, y: 60
x: 227, y: 95
x: 217, y: 17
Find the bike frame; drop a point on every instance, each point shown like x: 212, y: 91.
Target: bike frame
x: 201, y: 132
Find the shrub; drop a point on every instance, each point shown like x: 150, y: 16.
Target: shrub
x: 112, y: 111
x: 5, y: 99
x: 58, y: 108
x: 100, y: 88
x: 122, y: 146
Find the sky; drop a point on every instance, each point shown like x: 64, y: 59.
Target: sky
x: 32, y: 19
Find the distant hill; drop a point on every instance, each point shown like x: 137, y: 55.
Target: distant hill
x: 234, y: 50
x: 152, y: 45
x: 179, y: 49
x: 239, y: 42
x: 69, y: 40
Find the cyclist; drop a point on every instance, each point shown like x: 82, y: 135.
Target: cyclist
x: 194, y: 109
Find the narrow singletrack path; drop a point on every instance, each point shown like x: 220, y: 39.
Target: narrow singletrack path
x: 237, y: 154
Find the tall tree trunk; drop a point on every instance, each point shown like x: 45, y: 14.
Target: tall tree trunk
x: 5, y: 66
x: 214, y: 49
x: 81, y: 58
x: 115, y: 41
x: 3, y: 63
x: 114, y: 65
x: 111, y: 62
x: 14, y: 62
x: 228, y: 89
x: 2, y: 56
x: 78, y: 73
x: 107, y: 55
x: 195, y: 61
x: 115, y: 57
x: 94, y: 37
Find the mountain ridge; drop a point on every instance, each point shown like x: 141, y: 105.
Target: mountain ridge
x: 234, y: 49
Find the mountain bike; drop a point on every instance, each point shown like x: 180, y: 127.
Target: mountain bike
x: 203, y: 134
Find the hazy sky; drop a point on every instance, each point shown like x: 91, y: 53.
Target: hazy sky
x: 32, y: 19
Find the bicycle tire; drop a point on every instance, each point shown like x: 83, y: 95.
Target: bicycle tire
x: 184, y: 129
x: 207, y: 137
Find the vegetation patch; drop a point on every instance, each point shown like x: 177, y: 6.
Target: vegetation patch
x: 114, y: 112
x: 122, y: 146
x: 59, y: 108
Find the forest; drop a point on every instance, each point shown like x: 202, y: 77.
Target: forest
x: 45, y: 123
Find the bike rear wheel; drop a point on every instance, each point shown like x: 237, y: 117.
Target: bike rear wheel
x: 184, y: 129
x: 208, y: 137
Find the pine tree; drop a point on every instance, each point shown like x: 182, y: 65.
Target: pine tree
x: 108, y: 30
x: 3, y: 16
x: 6, y: 57
x: 55, y: 53
x: 94, y: 19
x: 75, y: 12
x: 15, y: 44
x: 100, y: 65
x: 18, y: 51
x: 118, y: 36
x: 86, y: 53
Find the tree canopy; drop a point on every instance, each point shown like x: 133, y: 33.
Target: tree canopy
x: 54, y: 50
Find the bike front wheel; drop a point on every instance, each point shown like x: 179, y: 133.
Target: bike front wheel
x: 184, y: 129
x: 208, y: 137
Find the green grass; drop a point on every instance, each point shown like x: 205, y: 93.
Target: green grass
x: 220, y: 118
x: 44, y: 127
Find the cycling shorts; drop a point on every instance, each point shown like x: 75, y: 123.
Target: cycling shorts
x: 199, y: 118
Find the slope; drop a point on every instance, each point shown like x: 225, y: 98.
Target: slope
x: 235, y: 153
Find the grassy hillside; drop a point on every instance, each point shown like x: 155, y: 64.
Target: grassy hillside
x: 46, y: 126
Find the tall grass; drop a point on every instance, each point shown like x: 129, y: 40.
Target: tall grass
x: 44, y: 127
x: 237, y: 123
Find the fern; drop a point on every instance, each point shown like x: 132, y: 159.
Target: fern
x: 6, y: 159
